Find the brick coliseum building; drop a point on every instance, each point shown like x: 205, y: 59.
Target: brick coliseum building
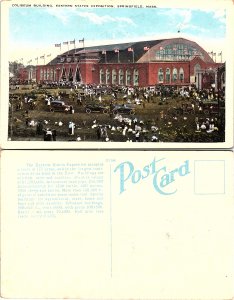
x: 175, y: 61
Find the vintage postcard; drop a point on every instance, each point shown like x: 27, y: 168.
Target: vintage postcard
x: 152, y: 74
x: 117, y: 225
x: 130, y: 77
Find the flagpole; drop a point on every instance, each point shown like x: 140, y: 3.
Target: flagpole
x: 82, y: 41
x: 83, y: 44
x: 146, y: 48
x: 104, y: 52
x: 74, y: 54
x: 49, y: 56
x: 84, y: 47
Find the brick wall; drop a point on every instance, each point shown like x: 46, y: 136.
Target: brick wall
x: 148, y: 73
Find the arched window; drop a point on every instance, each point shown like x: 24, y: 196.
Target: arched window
x: 44, y: 76
x: 51, y: 74
x: 160, y: 75
x: 181, y: 74
x: 121, y: 77
x: 128, y: 77
x: 107, y: 76
x: 41, y: 75
x: 136, y: 77
x: 102, y: 76
x: 58, y: 74
x: 114, y: 76
x: 168, y: 75
x: 54, y: 74
x: 48, y: 74
x: 174, y: 75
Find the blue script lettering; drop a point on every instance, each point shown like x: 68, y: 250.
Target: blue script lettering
x: 161, y: 179
x: 184, y: 169
x: 127, y: 172
x: 161, y: 182
x: 122, y: 169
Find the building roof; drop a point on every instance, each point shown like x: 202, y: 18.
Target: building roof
x: 126, y: 56
x: 112, y: 57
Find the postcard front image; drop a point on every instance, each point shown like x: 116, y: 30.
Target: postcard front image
x: 148, y: 75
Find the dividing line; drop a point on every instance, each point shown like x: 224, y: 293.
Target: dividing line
x: 110, y: 225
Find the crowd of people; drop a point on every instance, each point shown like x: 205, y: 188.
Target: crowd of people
x: 130, y: 128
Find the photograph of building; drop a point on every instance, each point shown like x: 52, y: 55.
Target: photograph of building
x: 166, y: 72
x: 175, y: 61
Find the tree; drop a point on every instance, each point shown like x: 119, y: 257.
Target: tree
x: 14, y: 68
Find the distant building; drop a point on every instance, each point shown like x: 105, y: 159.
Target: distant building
x: 28, y: 73
x: 175, y: 61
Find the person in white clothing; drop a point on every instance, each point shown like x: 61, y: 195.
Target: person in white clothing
x: 71, y: 128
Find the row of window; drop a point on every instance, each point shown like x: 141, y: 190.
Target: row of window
x: 132, y: 77
x: 48, y: 74
x: 173, y: 57
x: 117, y: 77
x: 177, y: 52
x: 121, y: 77
x: 51, y: 74
x: 168, y: 78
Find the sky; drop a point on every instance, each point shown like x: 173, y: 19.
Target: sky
x: 34, y: 32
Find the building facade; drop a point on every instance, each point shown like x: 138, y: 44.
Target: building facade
x: 176, y: 61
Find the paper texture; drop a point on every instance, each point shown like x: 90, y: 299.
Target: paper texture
x: 117, y: 225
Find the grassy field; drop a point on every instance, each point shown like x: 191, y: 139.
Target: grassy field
x: 154, y: 113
